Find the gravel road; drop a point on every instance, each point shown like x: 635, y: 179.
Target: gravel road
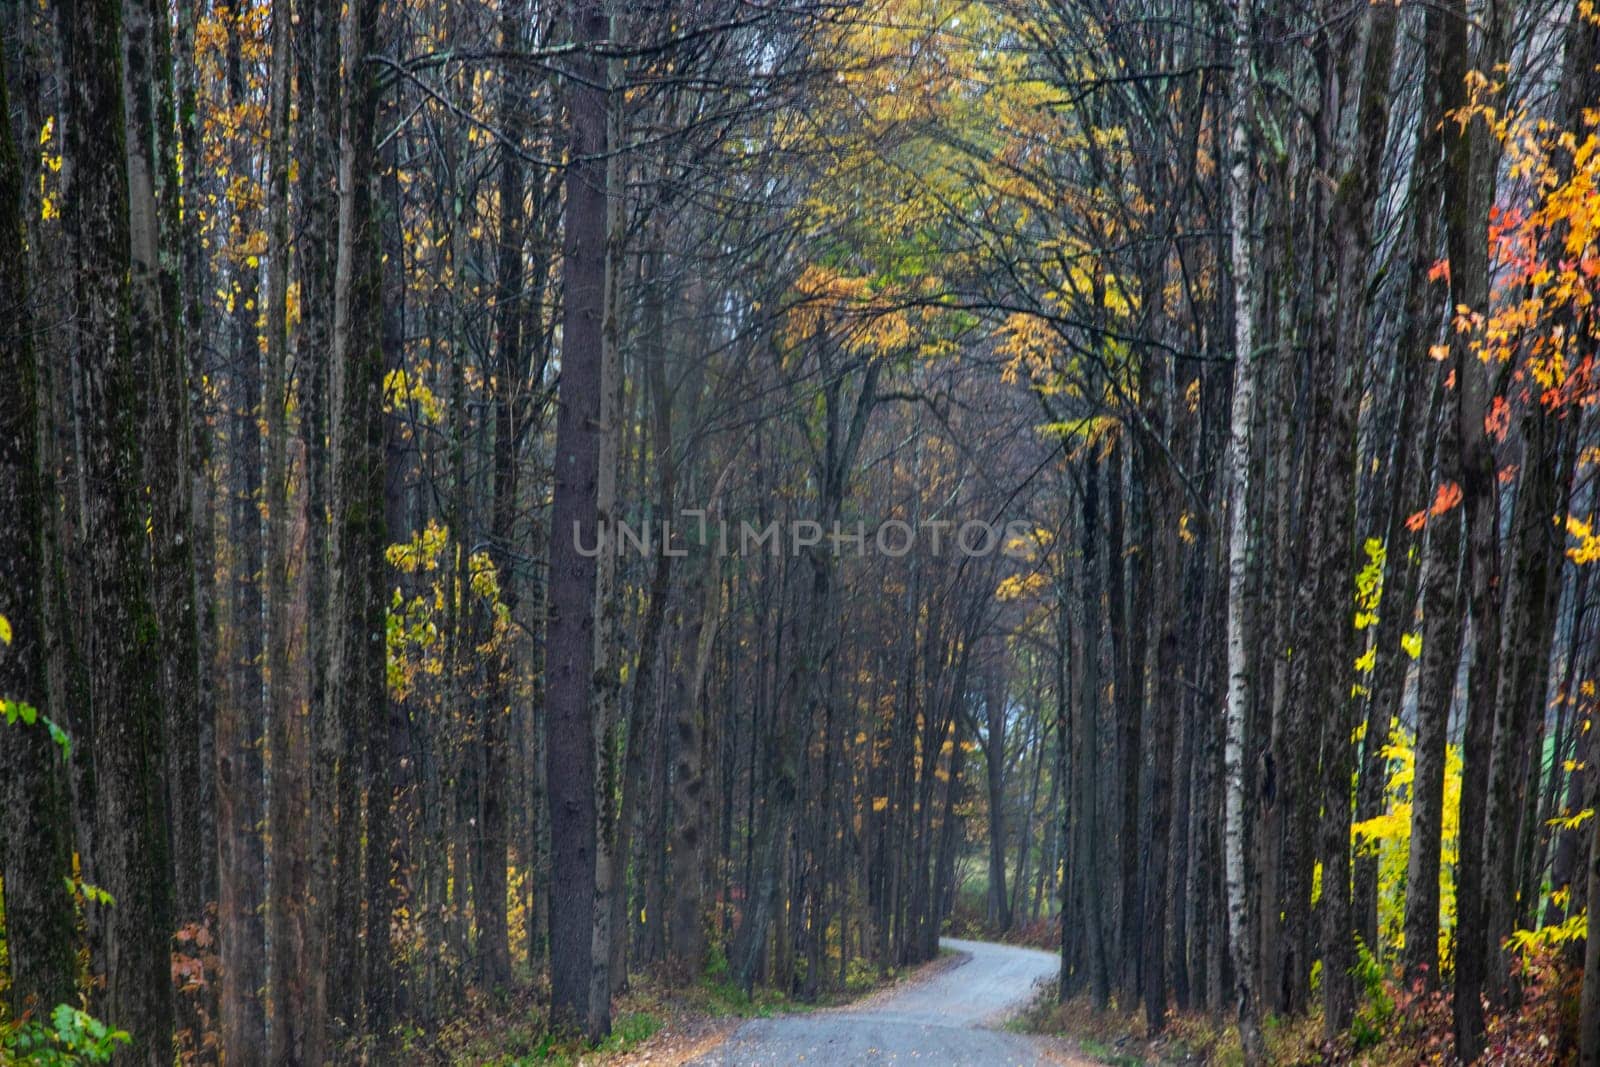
x: 944, y: 1020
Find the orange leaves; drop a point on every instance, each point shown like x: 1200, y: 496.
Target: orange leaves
x: 1498, y: 418
x: 1440, y: 271
x: 867, y: 319
x: 1566, y: 386
x: 1447, y: 497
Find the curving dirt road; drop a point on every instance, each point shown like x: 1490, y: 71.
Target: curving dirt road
x: 946, y: 1019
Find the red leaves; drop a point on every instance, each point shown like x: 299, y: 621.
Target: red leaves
x: 1440, y: 271
x: 1447, y: 497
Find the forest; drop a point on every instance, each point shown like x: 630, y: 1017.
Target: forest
x: 513, y: 508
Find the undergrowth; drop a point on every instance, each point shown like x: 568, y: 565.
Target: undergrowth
x: 1394, y: 1024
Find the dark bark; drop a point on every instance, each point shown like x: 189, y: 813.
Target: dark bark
x: 302, y: 1037
x: 569, y: 753
x: 1088, y: 746
x: 35, y: 811
x: 1470, y: 161
x: 287, y: 905
x: 241, y: 719
x: 123, y: 637
x: 994, y: 758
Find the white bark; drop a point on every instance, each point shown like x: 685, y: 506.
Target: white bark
x: 1240, y: 930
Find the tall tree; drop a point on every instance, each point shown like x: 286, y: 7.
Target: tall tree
x: 1241, y: 928
x: 241, y: 719
x: 36, y: 831
x: 123, y: 639
x: 570, y: 748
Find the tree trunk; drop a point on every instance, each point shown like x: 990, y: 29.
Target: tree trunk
x: 303, y: 1040
x: 1471, y: 157
x: 609, y: 867
x: 35, y: 806
x: 286, y: 908
x: 123, y: 637
x: 358, y: 965
x: 994, y: 758
x: 688, y: 779
x: 1088, y: 746
x: 570, y: 752
x: 241, y: 719
x: 1241, y: 927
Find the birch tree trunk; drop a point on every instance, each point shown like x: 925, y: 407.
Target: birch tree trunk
x: 1241, y: 928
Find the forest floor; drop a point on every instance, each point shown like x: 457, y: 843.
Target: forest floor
x: 661, y: 1022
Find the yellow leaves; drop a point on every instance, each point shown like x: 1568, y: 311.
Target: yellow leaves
x: 1369, y: 594
x: 485, y: 580
x: 50, y: 163
x: 1573, y: 928
x: 1388, y: 834
x: 1392, y: 825
x: 1412, y: 644
x: 5, y: 630
x: 1587, y: 550
x: 422, y: 552
x: 449, y: 580
x: 880, y: 804
x: 1018, y: 586
x: 1571, y: 822
x: 938, y: 111
x: 400, y: 388
x: 1030, y: 346
x: 865, y: 320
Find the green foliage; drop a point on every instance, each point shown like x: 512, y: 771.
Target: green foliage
x: 1376, y: 1014
x: 719, y: 994
x: 629, y: 1030
x: 1571, y: 930
x: 73, y: 1036
x: 20, y: 711
x: 89, y: 894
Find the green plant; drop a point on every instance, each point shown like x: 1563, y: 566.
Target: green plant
x: 629, y: 1030
x: 19, y: 711
x: 72, y: 1037
x: 1376, y: 1014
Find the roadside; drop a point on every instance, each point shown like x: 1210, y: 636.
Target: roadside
x: 658, y: 1021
